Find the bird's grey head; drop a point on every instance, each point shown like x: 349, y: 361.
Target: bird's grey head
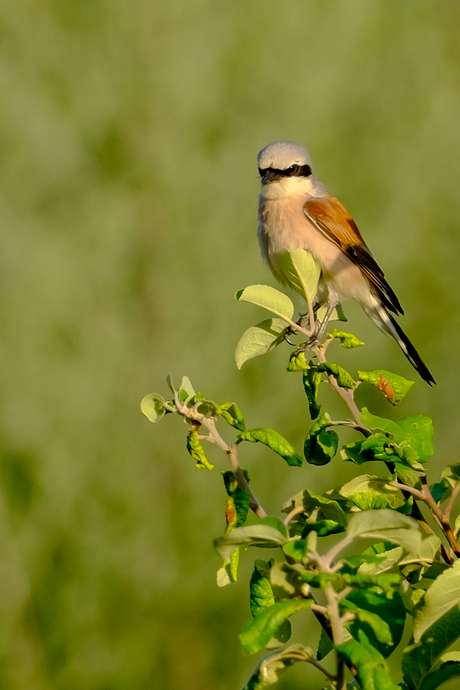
x: 283, y: 159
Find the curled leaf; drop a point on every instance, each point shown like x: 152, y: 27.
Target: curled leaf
x: 275, y: 442
x: 394, y: 387
x: 232, y: 415
x: 347, y: 340
x: 321, y: 444
x: 196, y: 450
x: 153, y: 407
x: 340, y: 374
x: 258, y: 632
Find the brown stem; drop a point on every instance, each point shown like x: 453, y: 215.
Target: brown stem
x: 426, y: 496
x: 451, y: 502
x: 440, y: 516
x: 191, y: 413
x: 346, y: 394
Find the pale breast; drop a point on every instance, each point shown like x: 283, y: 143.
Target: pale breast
x: 283, y: 226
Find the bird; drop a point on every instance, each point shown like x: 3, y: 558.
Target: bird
x: 297, y: 211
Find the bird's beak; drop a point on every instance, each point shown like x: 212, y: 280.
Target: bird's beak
x: 270, y: 176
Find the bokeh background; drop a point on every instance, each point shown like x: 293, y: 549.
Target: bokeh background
x: 128, y: 190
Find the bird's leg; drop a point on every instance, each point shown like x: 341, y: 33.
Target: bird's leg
x: 320, y: 327
x: 323, y: 324
x: 305, y: 319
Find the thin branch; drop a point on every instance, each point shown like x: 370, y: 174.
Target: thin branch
x: 191, y: 413
x: 344, y: 593
x: 346, y: 394
x: 451, y: 502
x: 426, y: 496
x: 320, y: 609
x: 293, y: 513
x: 321, y: 668
x: 409, y: 489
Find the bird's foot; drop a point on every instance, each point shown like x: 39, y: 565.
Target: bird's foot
x: 309, y: 344
x: 304, y: 321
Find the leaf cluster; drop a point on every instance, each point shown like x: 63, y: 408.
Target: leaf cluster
x: 390, y: 565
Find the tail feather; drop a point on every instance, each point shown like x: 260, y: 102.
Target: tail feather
x: 411, y: 353
x: 388, y: 324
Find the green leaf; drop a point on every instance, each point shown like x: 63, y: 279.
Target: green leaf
x: 440, y: 599
x: 296, y: 549
x: 241, y: 497
x: 275, y: 442
x: 371, y: 522
x: 268, y: 671
x: 372, y: 669
x: 301, y: 272
x: 450, y: 477
x: 268, y: 298
x: 322, y: 514
x: 261, y: 597
x: 342, y: 376
x: 436, y: 626
x: 440, y: 491
x: 260, y: 339
x: 263, y: 534
x: 381, y: 424
x: 369, y: 492
x: 320, y: 449
x: 260, y: 589
x: 204, y: 405
x: 196, y: 450
x: 375, y: 447
x: 321, y: 444
x: 257, y: 633
x: 185, y: 389
x: 298, y: 362
x: 232, y: 415
x: 311, y: 380
x: 381, y: 613
x: 347, y: 340
x: 169, y: 381
x: 384, y: 581
x: 451, y: 474
x: 379, y: 627
x: 388, y: 556
x: 286, y: 578
x: 418, y: 432
x: 228, y: 573
x: 447, y: 668
x: 394, y: 387
x: 323, y: 507
x: 153, y: 407
x: 325, y: 645
x: 407, y: 442
x: 386, y: 525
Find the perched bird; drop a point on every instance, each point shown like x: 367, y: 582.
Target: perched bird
x: 296, y: 211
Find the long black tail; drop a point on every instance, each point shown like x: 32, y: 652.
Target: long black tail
x: 388, y: 324
x: 383, y: 319
x: 410, y: 352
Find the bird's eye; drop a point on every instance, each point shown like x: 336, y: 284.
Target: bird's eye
x: 292, y: 170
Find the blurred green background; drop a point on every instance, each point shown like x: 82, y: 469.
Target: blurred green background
x: 128, y: 141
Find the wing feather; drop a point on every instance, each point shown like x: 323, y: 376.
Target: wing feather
x: 332, y: 219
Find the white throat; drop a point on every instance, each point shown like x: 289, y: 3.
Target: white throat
x: 293, y: 186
